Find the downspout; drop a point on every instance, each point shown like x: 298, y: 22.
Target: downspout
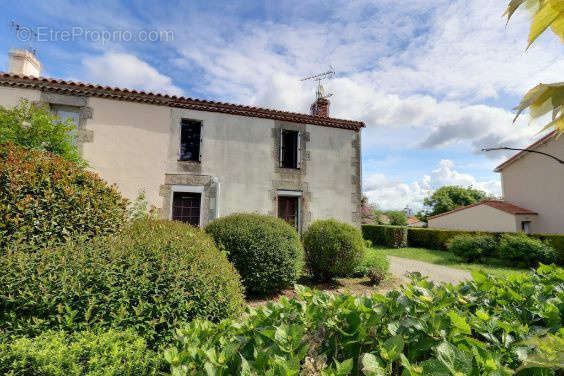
x: 215, y: 180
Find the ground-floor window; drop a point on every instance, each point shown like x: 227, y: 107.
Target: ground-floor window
x: 288, y: 210
x: 186, y: 207
x: 526, y: 227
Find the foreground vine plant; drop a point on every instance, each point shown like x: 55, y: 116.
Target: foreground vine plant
x: 487, y: 326
x: 543, y: 98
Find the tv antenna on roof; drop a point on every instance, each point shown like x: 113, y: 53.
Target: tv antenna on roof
x: 24, y: 34
x: 320, y: 77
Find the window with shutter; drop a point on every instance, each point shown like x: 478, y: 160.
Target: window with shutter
x: 190, y: 140
x: 289, y: 149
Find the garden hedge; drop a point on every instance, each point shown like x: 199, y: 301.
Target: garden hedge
x: 45, y: 199
x: 150, y: 276
x: 388, y: 236
x: 438, y: 239
x: 266, y: 251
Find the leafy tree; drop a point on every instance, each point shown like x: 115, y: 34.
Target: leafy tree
x: 397, y: 217
x: 421, y: 215
x: 35, y: 127
x: 451, y: 197
x: 543, y: 98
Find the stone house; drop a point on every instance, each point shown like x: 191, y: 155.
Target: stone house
x: 197, y: 160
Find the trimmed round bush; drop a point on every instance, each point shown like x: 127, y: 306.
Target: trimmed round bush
x: 265, y: 250
x: 46, y: 199
x: 56, y: 353
x: 150, y: 276
x: 523, y: 248
x: 472, y: 247
x: 333, y: 249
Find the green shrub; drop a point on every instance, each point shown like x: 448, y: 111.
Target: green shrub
x: 371, y: 261
x: 265, y: 250
x: 333, y: 249
x: 388, y: 236
x: 149, y: 277
x: 375, y: 276
x: 35, y: 127
x: 432, y: 238
x: 80, y: 353
x: 46, y: 199
x: 472, y: 247
x: 522, y: 248
x: 556, y: 241
x: 489, y: 326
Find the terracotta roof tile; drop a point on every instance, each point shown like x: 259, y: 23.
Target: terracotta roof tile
x: 497, y: 204
x: 81, y: 88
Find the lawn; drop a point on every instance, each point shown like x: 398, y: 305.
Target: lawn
x: 493, y: 266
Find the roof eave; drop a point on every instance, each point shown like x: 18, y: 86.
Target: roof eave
x: 80, y: 88
x: 522, y: 153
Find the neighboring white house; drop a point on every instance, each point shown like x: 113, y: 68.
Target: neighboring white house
x: 533, y: 195
x: 197, y: 159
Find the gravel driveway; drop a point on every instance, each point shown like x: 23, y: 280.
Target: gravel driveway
x: 437, y: 273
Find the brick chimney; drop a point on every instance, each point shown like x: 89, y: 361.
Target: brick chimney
x: 24, y: 63
x: 321, y: 105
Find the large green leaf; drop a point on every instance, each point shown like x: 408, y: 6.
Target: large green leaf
x: 543, y: 98
x: 371, y: 366
x: 458, y: 362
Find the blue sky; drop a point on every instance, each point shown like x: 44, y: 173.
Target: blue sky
x: 434, y: 81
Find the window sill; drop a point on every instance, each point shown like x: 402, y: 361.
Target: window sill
x: 188, y: 161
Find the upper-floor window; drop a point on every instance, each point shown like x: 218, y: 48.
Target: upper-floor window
x: 289, y: 149
x: 190, y: 139
x: 68, y: 112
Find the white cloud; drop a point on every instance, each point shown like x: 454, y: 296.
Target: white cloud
x: 393, y: 194
x: 127, y: 71
x: 404, y: 67
x: 421, y: 74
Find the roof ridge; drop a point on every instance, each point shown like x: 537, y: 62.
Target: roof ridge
x: 10, y: 79
x: 485, y: 202
x: 522, y: 153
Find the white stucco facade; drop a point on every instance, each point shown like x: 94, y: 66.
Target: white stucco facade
x: 136, y: 146
x: 481, y: 218
x: 536, y: 182
x: 531, y: 183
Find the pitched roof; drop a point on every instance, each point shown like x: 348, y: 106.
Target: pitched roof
x: 496, y: 204
x: 412, y: 220
x: 522, y: 153
x: 87, y: 89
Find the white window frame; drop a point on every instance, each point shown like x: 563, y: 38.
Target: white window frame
x: 298, y: 194
x: 187, y: 189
